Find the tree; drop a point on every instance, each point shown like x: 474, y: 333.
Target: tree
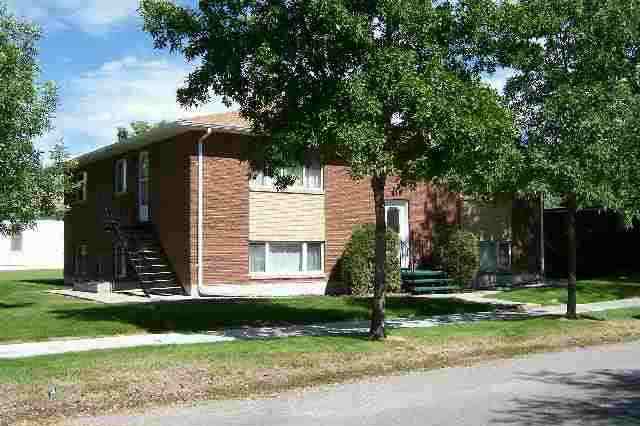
x: 141, y: 127
x: 26, y: 107
x: 138, y: 128
x: 122, y: 134
x: 576, y: 99
x: 59, y: 179
x: 388, y: 87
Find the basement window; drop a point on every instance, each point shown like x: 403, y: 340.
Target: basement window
x: 286, y: 258
x: 121, y: 261
x: 82, y: 260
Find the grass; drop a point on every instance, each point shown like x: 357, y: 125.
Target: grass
x: 588, y: 291
x: 36, y: 315
x: 98, y: 382
x: 91, y: 383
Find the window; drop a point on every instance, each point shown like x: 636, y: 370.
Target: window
x: 121, y: 261
x: 393, y: 219
x: 314, y: 257
x: 313, y: 176
x: 79, y: 192
x: 282, y: 258
x: 308, y: 177
x: 285, y: 258
x: 121, y: 176
x: 16, y: 241
x: 81, y: 260
x: 257, y: 257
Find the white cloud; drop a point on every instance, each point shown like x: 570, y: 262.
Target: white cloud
x: 94, y: 104
x: 91, y: 16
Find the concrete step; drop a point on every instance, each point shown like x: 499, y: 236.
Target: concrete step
x: 157, y: 273
x: 152, y: 266
x: 159, y: 281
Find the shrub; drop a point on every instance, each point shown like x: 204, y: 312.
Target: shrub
x: 458, y: 252
x: 358, y: 261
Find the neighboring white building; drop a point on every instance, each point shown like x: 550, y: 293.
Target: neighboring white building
x: 38, y: 248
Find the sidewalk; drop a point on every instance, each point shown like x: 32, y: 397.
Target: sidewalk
x: 23, y: 350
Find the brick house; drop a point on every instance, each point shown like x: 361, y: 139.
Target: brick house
x: 176, y: 210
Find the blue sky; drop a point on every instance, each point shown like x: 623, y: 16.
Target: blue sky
x: 107, y: 71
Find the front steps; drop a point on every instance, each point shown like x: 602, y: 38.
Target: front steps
x: 425, y: 281
x: 150, y: 263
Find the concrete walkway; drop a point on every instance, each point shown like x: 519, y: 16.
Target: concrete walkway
x: 51, y: 347
x: 535, y: 309
x: 519, y: 311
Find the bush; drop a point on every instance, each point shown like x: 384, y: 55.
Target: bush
x: 458, y: 252
x: 358, y: 261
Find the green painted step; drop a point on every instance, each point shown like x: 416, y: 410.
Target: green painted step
x: 422, y: 273
x: 429, y: 281
x: 432, y: 289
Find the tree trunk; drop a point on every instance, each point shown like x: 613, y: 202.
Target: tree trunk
x: 571, y: 255
x: 376, y: 332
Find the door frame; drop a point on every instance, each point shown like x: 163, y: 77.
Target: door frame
x: 144, y: 210
x: 405, y: 231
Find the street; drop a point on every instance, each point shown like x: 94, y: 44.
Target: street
x: 599, y: 386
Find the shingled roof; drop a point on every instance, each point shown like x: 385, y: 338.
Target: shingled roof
x: 230, y: 119
x: 224, y: 122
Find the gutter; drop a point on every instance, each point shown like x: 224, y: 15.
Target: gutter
x: 196, y: 291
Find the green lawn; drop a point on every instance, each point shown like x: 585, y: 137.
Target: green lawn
x: 36, y: 315
x: 117, y: 380
x: 589, y: 291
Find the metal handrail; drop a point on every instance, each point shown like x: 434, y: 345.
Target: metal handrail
x: 414, y: 252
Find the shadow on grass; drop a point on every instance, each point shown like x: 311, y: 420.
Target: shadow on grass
x: 201, y: 315
x: 53, y: 282
x: 14, y: 305
x: 420, y: 307
x: 607, y: 397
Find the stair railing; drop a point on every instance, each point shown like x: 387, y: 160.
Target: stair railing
x: 414, y: 252
x: 112, y: 226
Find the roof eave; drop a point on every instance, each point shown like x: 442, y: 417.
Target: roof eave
x: 153, y: 136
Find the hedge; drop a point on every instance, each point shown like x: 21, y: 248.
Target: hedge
x: 358, y: 261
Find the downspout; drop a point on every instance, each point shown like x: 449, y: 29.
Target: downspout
x: 196, y: 292
x: 542, y: 247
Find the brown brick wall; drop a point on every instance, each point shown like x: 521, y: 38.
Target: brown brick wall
x: 349, y: 203
x: 170, y: 209
x: 226, y: 206
x: 226, y: 211
x: 84, y: 223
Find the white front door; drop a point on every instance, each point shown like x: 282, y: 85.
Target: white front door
x: 396, y: 213
x: 143, y: 187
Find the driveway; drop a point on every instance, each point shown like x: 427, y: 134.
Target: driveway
x: 598, y: 386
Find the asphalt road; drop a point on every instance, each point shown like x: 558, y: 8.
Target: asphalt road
x: 598, y: 386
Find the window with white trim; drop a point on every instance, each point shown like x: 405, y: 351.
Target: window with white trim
x: 308, y: 177
x: 121, y: 176
x: 282, y: 258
